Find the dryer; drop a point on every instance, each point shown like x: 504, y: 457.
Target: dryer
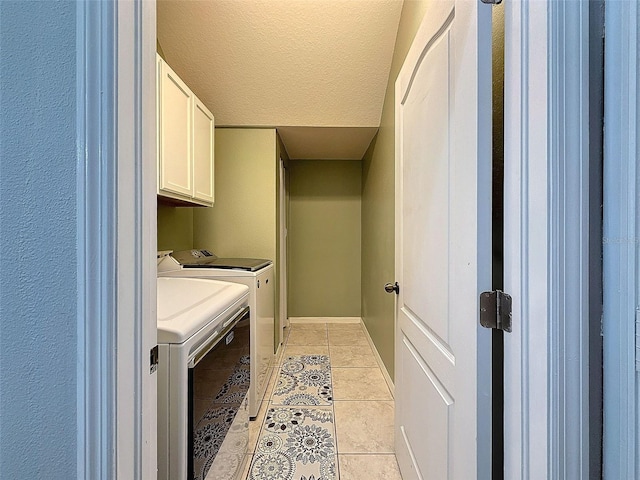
x: 258, y: 275
x: 203, y: 379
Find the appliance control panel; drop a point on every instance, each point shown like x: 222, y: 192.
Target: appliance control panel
x: 201, y: 253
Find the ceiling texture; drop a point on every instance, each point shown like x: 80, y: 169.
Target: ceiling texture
x: 315, y: 69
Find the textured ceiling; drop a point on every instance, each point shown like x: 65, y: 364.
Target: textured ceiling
x: 286, y: 63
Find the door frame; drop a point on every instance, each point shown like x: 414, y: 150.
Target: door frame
x: 621, y: 318
x: 116, y: 392
x: 547, y: 252
x: 120, y: 41
x: 283, y: 224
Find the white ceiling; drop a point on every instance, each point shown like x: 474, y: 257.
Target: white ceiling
x: 287, y: 63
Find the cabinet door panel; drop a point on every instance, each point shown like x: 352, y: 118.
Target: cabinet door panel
x: 175, y: 133
x: 203, y: 131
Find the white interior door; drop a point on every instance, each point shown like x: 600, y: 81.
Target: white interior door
x: 443, y: 245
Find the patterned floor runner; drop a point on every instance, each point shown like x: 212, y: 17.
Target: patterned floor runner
x: 296, y: 444
x: 298, y: 440
x: 304, y: 380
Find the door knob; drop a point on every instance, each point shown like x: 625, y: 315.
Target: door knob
x: 392, y: 287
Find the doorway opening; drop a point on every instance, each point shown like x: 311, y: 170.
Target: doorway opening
x: 497, y: 235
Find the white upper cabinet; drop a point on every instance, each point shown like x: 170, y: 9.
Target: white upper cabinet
x: 175, y: 113
x: 203, y: 125
x: 185, y: 142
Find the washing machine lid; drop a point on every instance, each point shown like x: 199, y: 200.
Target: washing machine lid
x: 186, y: 305
x: 246, y: 264
x: 189, y: 257
x: 206, y: 259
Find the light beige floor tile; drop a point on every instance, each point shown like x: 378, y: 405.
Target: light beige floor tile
x: 307, y: 337
x: 368, y: 467
x: 364, y: 427
x: 309, y: 327
x: 344, y: 327
x: 305, y: 350
x: 347, y: 335
x: 359, y: 384
x: 352, y: 356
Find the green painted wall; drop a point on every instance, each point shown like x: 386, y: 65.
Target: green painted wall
x: 378, y: 202
x: 324, y: 238
x: 242, y: 222
x: 175, y: 228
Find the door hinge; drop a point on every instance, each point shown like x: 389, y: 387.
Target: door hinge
x: 495, y: 310
x: 153, y: 360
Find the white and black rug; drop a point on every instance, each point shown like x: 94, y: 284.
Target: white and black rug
x: 296, y: 444
x: 298, y: 440
x: 304, y: 380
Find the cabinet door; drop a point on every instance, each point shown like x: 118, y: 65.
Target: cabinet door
x: 175, y: 134
x: 203, y: 128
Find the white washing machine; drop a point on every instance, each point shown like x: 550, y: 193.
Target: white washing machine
x: 203, y: 379
x: 258, y: 275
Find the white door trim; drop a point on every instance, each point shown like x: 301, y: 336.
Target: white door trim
x: 96, y: 188
x: 621, y: 316
x: 569, y: 231
x: 282, y: 254
x: 546, y: 239
x: 116, y: 239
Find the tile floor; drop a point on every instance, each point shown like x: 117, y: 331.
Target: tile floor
x: 363, y: 405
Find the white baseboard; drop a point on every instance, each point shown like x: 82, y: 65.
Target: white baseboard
x: 293, y: 320
x: 381, y: 364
